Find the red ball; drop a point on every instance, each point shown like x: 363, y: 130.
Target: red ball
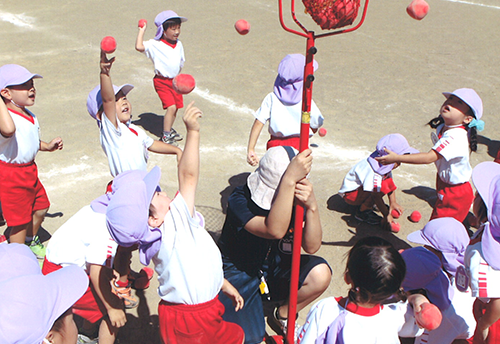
x: 395, y: 214
x: 108, y: 45
x: 395, y: 227
x: 417, y: 9
x: 142, y: 22
x: 322, y: 132
x: 429, y: 316
x: 415, y: 216
x: 183, y: 83
x: 242, y: 26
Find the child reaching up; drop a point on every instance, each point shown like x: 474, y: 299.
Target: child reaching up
x: 374, y: 272
x: 459, y: 117
x: 186, y: 259
x: 167, y: 54
x: 283, y: 109
x: 23, y: 197
x: 368, y: 182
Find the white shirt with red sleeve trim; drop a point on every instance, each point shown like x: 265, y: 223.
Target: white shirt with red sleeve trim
x: 22, y: 147
x: 362, y: 174
x: 83, y: 240
x: 189, y: 263
x: 284, y: 120
x: 126, y: 146
x: 167, y: 60
x: 454, y: 166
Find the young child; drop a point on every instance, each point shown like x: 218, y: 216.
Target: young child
x: 368, y: 182
x: 482, y: 263
x: 23, y: 197
x: 167, y: 54
x: 456, y: 125
x: 84, y: 241
x: 283, y: 109
x: 186, y: 259
x: 374, y: 272
x: 124, y: 143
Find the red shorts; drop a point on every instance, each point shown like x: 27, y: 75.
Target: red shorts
x: 21, y: 192
x: 200, y: 324
x: 452, y: 200
x: 284, y: 141
x: 166, y: 92
x: 360, y: 196
x: 89, y: 307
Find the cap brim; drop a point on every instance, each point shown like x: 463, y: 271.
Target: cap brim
x: 260, y: 193
x: 418, y: 238
x: 152, y: 180
x: 125, y: 88
x: 482, y: 176
x: 377, y: 166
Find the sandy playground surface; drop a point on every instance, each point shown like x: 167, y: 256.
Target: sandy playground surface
x: 384, y: 78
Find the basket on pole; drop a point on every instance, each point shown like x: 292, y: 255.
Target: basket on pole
x: 331, y: 15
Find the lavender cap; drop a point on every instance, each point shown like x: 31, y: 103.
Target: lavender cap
x: 163, y: 17
x: 394, y: 142
x: 13, y: 74
x: 471, y: 98
x: 94, y: 100
x: 289, y: 82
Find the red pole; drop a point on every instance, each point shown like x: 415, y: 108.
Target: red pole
x: 299, y: 210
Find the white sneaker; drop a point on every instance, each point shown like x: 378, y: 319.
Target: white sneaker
x: 83, y: 339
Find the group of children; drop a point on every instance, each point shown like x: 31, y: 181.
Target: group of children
x: 450, y: 282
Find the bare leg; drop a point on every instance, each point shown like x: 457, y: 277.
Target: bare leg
x: 169, y: 119
x: 18, y: 233
x: 38, y: 217
x: 107, y: 332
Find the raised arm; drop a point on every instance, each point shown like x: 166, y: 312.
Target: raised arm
x: 313, y: 233
x: 189, y: 165
x: 252, y: 158
x: 165, y: 148
x: 139, y: 42
x: 7, y: 126
x: 417, y: 159
x: 107, y: 92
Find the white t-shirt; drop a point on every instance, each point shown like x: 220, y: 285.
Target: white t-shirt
x: 484, y: 280
x: 362, y: 174
x: 329, y: 322
x: 21, y: 148
x: 285, y: 120
x: 83, y: 240
x: 454, y: 168
x: 125, y: 147
x: 189, y: 263
x: 167, y: 61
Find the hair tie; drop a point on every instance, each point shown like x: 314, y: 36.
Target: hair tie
x: 477, y: 123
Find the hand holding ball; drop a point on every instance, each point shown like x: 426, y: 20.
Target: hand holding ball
x: 395, y: 214
x: 429, y: 316
x: 183, y: 83
x: 417, y: 9
x: 322, y: 132
x: 242, y: 26
x: 108, y: 45
x: 395, y: 227
x: 142, y: 23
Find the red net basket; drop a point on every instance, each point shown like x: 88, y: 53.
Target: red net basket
x: 332, y: 14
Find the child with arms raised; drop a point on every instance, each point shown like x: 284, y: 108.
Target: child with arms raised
x: 23, y: 197
x: 186, y: 259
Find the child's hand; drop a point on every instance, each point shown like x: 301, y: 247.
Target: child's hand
x: 397, y: 207
x: 55, y: 144
x: 304, y: 193
x: 252, y: 158
x: 390, y: 158
x: 191, y: 116
x: 231, y: 292
x: 300, y: 166
x: 106, y: 63
x: 117, y: 317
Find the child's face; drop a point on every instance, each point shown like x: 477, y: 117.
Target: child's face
x: 455, y: 111
x: 123, y: 108
x: 172, y: 33
x: 160, y: 204
x: 22, y: 95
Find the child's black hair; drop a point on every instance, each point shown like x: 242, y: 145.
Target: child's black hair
x: 376, y: 271
x: 171, y: 22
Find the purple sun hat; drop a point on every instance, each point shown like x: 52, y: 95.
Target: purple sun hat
x: 94, y: 99
x: 470, y: 97
x: 163, y: 17
x: 128, y: 212
x: 55, y: 294
x: 423, y: 271
x: 446, y: 235
x: 394, y: 142
x: 13, y: 74
x: 290, y: 80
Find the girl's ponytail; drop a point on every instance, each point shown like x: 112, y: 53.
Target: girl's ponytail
x: 435, y: 122
x: 472, y: 139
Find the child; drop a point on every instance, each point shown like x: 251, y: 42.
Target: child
x: 368, y: 182
x: 167, y: 54
x: 124, y: 143
x: 283, y: 109
x: 374, y: 272
x: 84, y: 241
x: 23, y: 197
x: 456, y: 127
x: 186, y: 259
x: 481, y: 257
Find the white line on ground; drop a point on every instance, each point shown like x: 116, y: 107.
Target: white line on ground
x: 20, y: 20
x: 221, y: 100
x: 474, y: 3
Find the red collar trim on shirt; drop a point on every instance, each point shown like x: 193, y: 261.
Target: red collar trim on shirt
x: 28, y: 117
x: 363, y: 311
x: 171, y: 45
x: 135, y: 132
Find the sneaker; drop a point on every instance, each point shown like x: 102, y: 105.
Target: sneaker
x: 125, y: 293
x: 37, y: 247
x: 278, y: 325
x: 140, y: 280
x: 368, y: 216
x: 83, y: 339
x: 172, y: 138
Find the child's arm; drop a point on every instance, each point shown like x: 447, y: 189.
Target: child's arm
x: 252, y: 158
x: 313, y: 232
x: 139, y: 42
x: 393, y: 204
x: 232, y: 293
x: 189, y: 165
x: 417, y: 158
x: 7, y: 126
x: 490, y: 316
x: 107, y: 92
x: 101, y: 277
x: 55, y: 144
x: 165, y: 148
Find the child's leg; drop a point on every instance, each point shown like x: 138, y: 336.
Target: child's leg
x: 18, y: 233
x: 491, y: 315
x: 38, y: 217
x: 107, y: 332
x: 169, y: 119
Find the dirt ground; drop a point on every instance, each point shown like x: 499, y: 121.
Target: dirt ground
x: 386, y: 77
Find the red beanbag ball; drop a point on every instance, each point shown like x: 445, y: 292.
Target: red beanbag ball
x: 184, y: 83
